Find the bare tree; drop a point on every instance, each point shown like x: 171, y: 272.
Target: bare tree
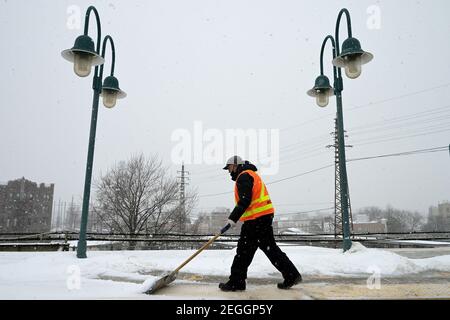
x: 414, y: 221
x: 138, y: 196
x: 195, y: 227
x: 72, y: 217
x: 397, y: 220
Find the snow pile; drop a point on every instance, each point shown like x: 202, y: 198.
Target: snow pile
x: 90, y: 243
x: 361, y: 261
x: 148, y: 284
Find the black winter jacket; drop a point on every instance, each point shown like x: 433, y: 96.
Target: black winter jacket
x: 244, y: 185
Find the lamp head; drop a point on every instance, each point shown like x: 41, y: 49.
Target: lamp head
x: 352, y: 58
x: 322, y: 90
x: 111, y: 92
x: 83, y: 56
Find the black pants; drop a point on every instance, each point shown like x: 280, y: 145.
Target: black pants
x: 256, y: 234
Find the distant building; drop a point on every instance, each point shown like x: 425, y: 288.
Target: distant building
x: 370, y: 227
x: 315, y: 223
x: 442, y: 210
x: 285, y: 224
x: 362, y: 218
x: 25, y: 206
x: 362, y: 224
x: 439, y: 217
x: 212, y: 222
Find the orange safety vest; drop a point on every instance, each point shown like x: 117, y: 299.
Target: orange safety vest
x: 260, y: 204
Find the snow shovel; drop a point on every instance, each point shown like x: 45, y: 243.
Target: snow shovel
x: 170, y: 277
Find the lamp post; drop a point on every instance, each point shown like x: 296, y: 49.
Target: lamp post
x: 84, y: 56
x: 351, y: 59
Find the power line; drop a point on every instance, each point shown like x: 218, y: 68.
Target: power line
x: 356, y: 144
x: 396, y: 126
x: 371, y: 140
x: 426, y: 113
x: 383, y: 125
x: 302, y: 204
x: 406, y: 153
x: 300, y: 174
x: 366, y: 141
x: 370, y: 104
x: 429, y: 150
x: 214, y: 194
x: 421, y: 130
x: 272, y: 182
x: 309, y: 211
x: 403, y: 137
x: 401, y: 96
x: 292, y: 147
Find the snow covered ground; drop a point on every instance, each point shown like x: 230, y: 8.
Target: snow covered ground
x: 120, y: 274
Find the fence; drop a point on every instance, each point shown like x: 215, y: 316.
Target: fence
x: 124, y: 241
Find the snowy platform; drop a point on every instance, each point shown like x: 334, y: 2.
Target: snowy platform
x: 120, y: 274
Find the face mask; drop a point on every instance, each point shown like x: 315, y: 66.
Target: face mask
x: 235, y: 174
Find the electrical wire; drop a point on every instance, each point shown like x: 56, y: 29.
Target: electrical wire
x: 428, y: 150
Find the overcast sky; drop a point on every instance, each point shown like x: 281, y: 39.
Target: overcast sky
x: 232, y: 65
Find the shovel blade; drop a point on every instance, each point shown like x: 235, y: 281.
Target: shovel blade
x: 162, y: 282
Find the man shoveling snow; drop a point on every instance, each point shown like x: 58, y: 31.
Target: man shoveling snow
x: 255, y: 209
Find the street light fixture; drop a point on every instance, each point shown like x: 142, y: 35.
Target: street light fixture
x: 84, y: 56
x: 322, y: 91
x: 111, y: 92
x: 351, y: 58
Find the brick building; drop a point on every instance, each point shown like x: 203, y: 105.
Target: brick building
x: 25, y: 206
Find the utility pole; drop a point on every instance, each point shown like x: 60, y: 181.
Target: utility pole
x: 72, y: 216
x: 337, y: 183
x: 182, y: 213
x: 59, y: 223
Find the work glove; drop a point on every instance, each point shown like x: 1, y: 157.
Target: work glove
x: 230, y: 224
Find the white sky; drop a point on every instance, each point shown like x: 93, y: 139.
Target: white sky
x: 231, y: 65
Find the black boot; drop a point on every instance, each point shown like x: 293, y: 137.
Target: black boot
x: 287, y: 283
x: 232, y: 286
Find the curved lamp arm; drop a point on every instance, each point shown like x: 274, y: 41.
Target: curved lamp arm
x: 333, y: 43
x: 99, y: 29
x: 349, y: 28
x: 339, y: 86
x: 113, y: 52
x: 336, y: 71
x: 97, y: 82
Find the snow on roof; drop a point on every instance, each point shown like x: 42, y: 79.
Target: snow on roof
x: 294, y: 231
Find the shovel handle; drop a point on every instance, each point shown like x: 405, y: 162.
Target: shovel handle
x: 206, y: 245
x: 225, y: 229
